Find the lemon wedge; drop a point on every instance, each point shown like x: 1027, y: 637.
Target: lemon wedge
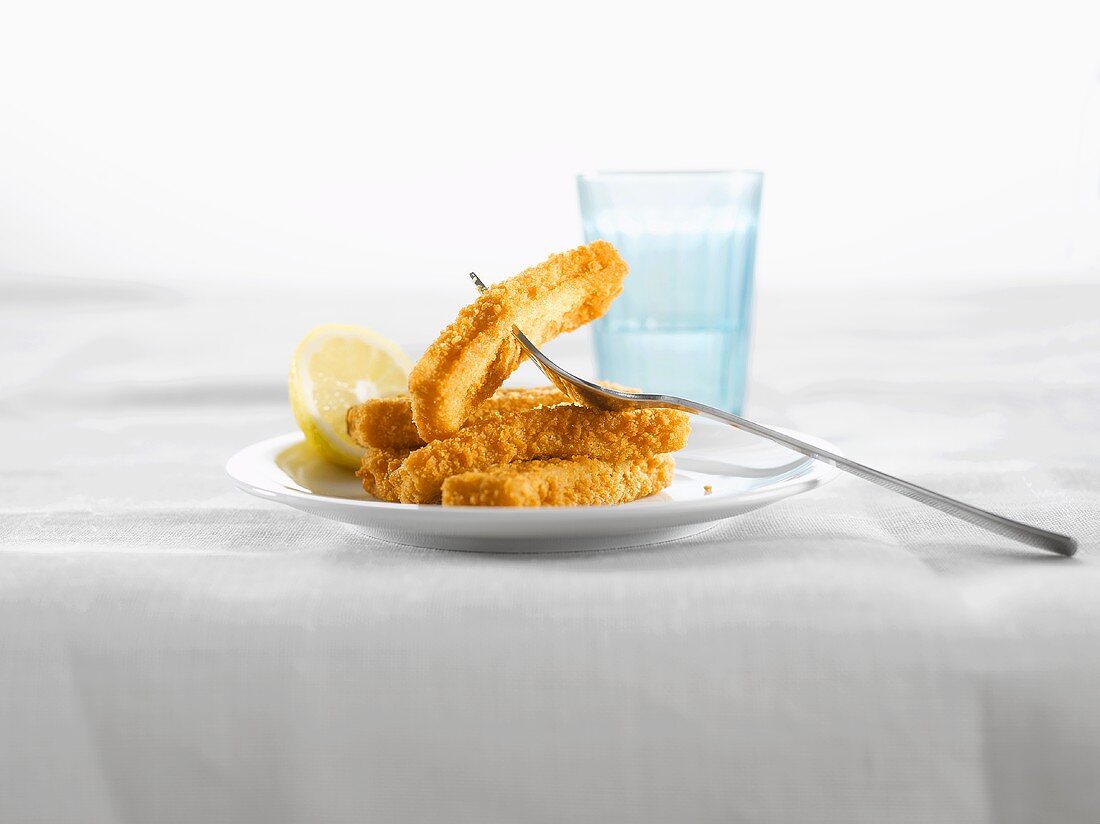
x: 335, y: 367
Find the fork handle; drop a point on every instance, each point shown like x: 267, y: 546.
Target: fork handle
x: 1030, y: 535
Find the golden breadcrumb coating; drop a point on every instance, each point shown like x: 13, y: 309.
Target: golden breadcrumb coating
x: 376, y: 468
x: 546, y: 432
x: 560, y: 482
x: 388, y: 422
x: 472, y: 357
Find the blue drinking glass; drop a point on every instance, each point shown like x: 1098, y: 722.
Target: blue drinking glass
x: 682, y: 323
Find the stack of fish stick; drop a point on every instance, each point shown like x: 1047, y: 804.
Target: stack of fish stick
x: 459, y: 439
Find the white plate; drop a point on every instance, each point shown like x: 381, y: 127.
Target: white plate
x: 743, y: 472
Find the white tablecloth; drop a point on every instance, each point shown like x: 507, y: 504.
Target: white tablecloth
x: 172, y: 650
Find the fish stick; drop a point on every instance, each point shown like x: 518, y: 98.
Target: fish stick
x: 546, y: 432
x: 377, y: 466
x: 388, y: 422
x: 560, y: 482
x: 472, y: 357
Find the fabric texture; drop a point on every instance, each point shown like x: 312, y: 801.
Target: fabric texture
x: 172, y: 650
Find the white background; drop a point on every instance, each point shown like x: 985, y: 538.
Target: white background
x: 262, y: 142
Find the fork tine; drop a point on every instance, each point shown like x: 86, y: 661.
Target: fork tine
x: 481, y: 287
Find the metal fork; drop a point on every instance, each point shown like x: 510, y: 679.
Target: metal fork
x: 601, y: 397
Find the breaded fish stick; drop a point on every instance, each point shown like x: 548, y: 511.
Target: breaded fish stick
x: 376, y: 468
x: 388, y: 422
x: 472, y: 357
x: 560, y: 482
x: 547, y: 432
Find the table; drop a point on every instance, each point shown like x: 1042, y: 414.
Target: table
x: 172, y: 650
